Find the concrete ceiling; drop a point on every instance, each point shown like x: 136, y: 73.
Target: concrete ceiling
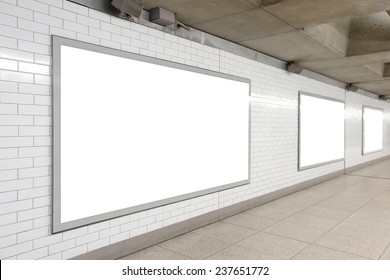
x: 348, y: 40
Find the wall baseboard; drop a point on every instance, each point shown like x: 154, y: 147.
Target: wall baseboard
x: 365, y: 164
x: 134, y: 244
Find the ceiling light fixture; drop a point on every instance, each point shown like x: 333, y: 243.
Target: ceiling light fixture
x: 293, y: 67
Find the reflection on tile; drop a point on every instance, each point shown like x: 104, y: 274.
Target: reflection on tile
x: 314, y: 252
x: 225, y: 232
x: 194, y: 245
x: 240, y: 253
x: 155, y: 253
x: 270, y: 244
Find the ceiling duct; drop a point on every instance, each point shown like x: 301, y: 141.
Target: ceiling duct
x: 162, y: 17
x: 129, y: 7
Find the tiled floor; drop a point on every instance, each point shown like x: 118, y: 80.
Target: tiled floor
x: 345, y: 218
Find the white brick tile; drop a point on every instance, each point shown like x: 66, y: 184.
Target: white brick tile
x: 33, y: 214
x: 119, y: 221
x: 36, y: 110
x: 15, y: 228
x: 7, y: 219
x: 130, y: 33
x: 34, y: 89
x: 42, y: 59
x: 139, y: 44
x: 10, y: 109
x: 8, y: 42
x: 42, y: 79
x: 42, y: 120
x: 110, y: 44
x: 87, y: 21
x: 33, y: 193
x: 33, y: 47
x: 15, y: 120
x: 98, y: 226
x: 87, y: 238
x: 8, y: 196
x: 98, y: 244
x: 41, y: 202
x: 42, y: 222
x: 7, y: 241
x: 15, y: 10
x: 76, y: 8
x: 16, y: 55
x: 33, y: 172
x: 61, y: 13
x: 138, y: 28
x: 110, y: 27
x: 8, y: 20
x: 156, y: 33
x: 42, y: 100
x: 13, y: 2
x: 129, y: 226
x: 8, y: 153
x: 47, y: 240
x: 16, y: 33
x: 62, y: 32
x: 170, y: 37
x: 119, y: 237
x: 34, y: 131
x: 33, y: 26
x: 6, y: 164
x: 34, y: 5
x: 129, y: 49
x: 49, y: 20
x: 120, y: 22
x: 56, y: 3
x: 15, y: 184
x: 62, y: 246
x: 42, y: 141
x: 108, y: 232
x: 99, y: 33
x: 32, y: 234
x: 74, y: 233
x: 147, y: 38
x: 13, y: 76
x: 42, y: 181
x: 68, y: 254
x: 99, y: 15
x: 57, y: 256
x: 15, y: 250
x: 120, y: 39
x: 88, y: 39
x: 34, y: 68
x: 76, y: 27
x: 34, y: 152
x: 33, y: 255
x: 15, y: 98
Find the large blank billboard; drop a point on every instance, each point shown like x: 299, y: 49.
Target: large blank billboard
x: 321, y: 130
x: 132, y: 133
x: 372, y: 130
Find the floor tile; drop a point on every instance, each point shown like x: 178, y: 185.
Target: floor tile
x: 364, y: 230
x: 240, y: 253
x: 194, y: 245
x: 386, y: 254
x: 155, y: 253
x: 281, y: 247
x: 295, y: 231
x: 312, y: 221
x: 314, y: 252
x: 250, y: 221
x: 329, y: 213
x: 366, y: 248
x: 225, y: 232
x: 271, y: 213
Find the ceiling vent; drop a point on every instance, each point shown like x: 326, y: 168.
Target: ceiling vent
x: 162, y: 17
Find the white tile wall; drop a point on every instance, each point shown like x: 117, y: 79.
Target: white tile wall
x: 25, y: 126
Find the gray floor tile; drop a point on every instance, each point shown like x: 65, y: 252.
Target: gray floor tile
x: 295, y: 231
x: 367, y: 248
x: 194, y: 245
x: 250, y: 221
x: 271, y: 213
x: 240, y: 253
x: 365, y: 229
x: 314, y: 252
x: 312, y: 221
x: 225, y: 232
x: 281, y: 247
x: 155, y: 253
x: 329, y: 213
